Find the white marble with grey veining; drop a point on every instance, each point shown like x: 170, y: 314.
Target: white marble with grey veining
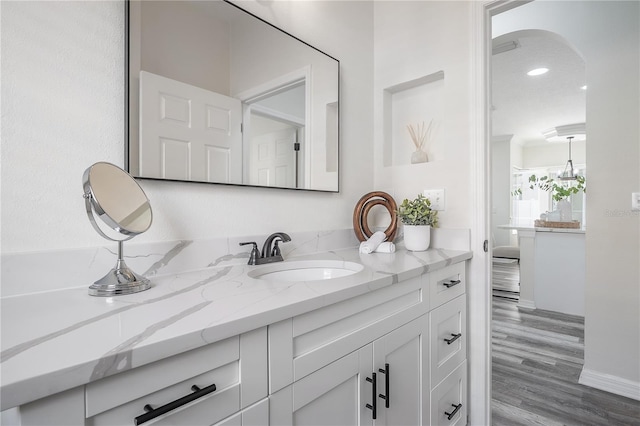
x: 34, y: 272
x: 56, y: 340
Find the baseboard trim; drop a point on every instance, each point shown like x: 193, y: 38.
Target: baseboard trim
x: 609, y: 383
x: 529, y: 304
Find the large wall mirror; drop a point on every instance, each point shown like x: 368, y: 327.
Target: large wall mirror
x: 217, y: 95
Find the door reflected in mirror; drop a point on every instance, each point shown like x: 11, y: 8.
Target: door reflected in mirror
x: 218, y: 95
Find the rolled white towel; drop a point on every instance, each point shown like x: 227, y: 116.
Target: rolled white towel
x: 386, y: 247
x: 372, y: 243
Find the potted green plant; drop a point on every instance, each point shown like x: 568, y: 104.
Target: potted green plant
x: 560, y: 192
x: 417, y: 219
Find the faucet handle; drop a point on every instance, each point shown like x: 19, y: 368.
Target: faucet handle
x: 255, y: 254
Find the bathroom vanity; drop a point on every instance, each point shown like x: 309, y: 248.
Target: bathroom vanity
x: 383, y: 345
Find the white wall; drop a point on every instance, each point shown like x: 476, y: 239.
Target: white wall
x: 413, y: 40
x: 517, y: 155
x: 62, y: 110
x: 501, y: 172
x: 608, y: 36
x: 517, y: 160
x: 554, y: 155
x: 167, y: 27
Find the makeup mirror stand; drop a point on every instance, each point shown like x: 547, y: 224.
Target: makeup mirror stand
x: 114, y: 197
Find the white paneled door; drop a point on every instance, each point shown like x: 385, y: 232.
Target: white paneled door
x: 188, y: 133
x: 273, y: 159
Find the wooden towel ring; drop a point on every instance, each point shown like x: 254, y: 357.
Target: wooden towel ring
x: 366, y: 203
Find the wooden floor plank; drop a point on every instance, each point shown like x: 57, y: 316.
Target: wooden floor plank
x: 506, y: 279
x: 537, y: 359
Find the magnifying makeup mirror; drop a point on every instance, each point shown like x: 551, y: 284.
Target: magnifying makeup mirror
x: 115, y: 198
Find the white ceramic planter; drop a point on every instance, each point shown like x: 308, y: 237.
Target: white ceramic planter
x: 417, y: 237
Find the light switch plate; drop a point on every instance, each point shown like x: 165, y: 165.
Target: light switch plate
x: 635, y: 201
x: 436, y: 196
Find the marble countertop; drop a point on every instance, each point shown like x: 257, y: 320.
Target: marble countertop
x: 58, y: 340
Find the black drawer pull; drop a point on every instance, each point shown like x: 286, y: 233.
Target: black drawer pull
x: 374, y: 407
x: 451, y: 283
x: 152, y: 413
x: 454, y: 412
x: 453, y: 339
x: 387, y: 379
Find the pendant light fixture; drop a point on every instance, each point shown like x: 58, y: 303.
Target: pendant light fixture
x: 568, y: 173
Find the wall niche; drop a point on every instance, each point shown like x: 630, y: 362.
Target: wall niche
x: 417, y: 103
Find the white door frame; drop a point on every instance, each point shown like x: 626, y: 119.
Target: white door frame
x: 479, y: 308
x: 479, y: 288
x: 254, y: 94
x: 248, y: 110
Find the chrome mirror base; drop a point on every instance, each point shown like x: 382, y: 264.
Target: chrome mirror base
x: 120, y: 280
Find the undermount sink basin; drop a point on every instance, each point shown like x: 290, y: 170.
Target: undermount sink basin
x: 306, y: 270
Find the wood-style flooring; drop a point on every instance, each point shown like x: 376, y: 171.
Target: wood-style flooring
x: 506, y: 279
x: 537, y: 359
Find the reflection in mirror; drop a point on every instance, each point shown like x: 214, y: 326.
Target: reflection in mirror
x: 115, y: 198
x: 217, y: 95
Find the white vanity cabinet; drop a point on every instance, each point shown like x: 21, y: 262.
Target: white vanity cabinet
x: 256, y: 415
x: 392, y: 355
x: 381, y: 383
x: 448, y: 348
x: 200, y: 387
x: 322, y: 363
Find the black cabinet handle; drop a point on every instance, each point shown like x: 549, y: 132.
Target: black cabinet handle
x: 451, y: 283
x: 454, y: 412
x: 374, y: 407
x: 152, y: 413
x: 453, y: 339
x: 386, y: 396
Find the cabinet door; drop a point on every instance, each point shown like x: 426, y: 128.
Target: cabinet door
x: 337, y: 395
x: 401, y: 360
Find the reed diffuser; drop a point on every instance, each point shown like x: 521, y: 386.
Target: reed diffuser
x: 418, y: 136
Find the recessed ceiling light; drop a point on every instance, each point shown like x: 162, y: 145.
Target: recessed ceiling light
x: 538, y: 71
x: 584, y: 87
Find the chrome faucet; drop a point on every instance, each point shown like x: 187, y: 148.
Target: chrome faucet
x: 270, y: 249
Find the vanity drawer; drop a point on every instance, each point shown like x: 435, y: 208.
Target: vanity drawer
x: 236, y: 365
x: 208, y: 409
x: 446, y: 284
x: 448, y: 338
x: 304, y: 344
x: 449, y: 399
